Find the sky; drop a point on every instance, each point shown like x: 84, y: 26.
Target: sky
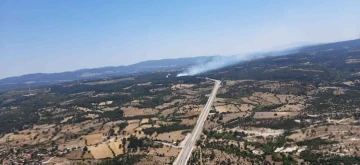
x: 45, y: 36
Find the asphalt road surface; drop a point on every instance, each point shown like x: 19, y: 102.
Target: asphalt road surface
x: 185, y: 153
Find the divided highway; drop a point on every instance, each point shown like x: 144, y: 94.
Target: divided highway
x: 185, y: 153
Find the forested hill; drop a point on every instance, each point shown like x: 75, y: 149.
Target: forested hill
x: 343, y: 45
x: 41, y: 79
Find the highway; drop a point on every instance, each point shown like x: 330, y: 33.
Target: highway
x: 185, y: 153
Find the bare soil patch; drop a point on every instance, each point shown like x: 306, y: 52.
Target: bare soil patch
x: 66, y: 119
x: 167, y: 112
x: 144, y: 84
x: 144, y: 121
x: 246, y: 107
x: 168, y: 151
x: 132, y: 126
x: 295, y: 107
x: 227, y: 108
x: 167, y: 105
x: 231, y: 116
x: 189, y: 121
x: 170, y: 136
x: 265, y: 98
x: 84, y: 109
x: 94, y: 138
x: 101, y: 151
x: 76, y: 143
x: 115, y: 146
x: 247, y: 100
x: 182, y: 86
x: 133, y: 111
x: 109, y: 108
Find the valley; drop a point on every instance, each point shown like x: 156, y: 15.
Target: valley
x: 301, y: 108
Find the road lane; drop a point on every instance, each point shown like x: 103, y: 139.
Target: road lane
x: 185, y: 153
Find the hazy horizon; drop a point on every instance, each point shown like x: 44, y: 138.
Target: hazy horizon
x: 49, y: 36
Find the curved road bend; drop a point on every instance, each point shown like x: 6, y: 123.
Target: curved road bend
x: 185, y: 153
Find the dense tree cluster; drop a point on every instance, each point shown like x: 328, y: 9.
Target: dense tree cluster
x: 166, y: 128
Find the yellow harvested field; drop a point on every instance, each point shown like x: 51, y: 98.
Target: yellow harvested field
x: 114, y: 123
x: 144, y: 84
x: 247, y: 100
x: 231, y: 116
x: 165, y: 150
x: 101, y: 151
x: 140, y: 134
x: 208, y: 125
x: 149, y: 126
x: 272, y: 86
x: 196, y: 108
x: 290, y: 98
x: 74, y: 155
x: 92, y: 116
x: 132, y: 126
x: 299, y: 136
x: 133, y: 111
x: 166, y: 105
x: 14, y: 138
x: 66, y: 119
x: 260, y: 98
x: 43, y: 126
x: 78, y: 127
x: 114, y: 146
x: 116, y: 129
x: 265, y: 98
x: 167, y: 112
x: 246, y: 107
x: 83, y: 109
x: 189, y: 121
x: 234, y: 82
x: 135, y: 102
x: 296, y: 107
x: 109, y: 108
x: 267, y: 115
x: 144, y: 121
x: 171, y: 136
x: 94, y: 138
x: 155, y: 119
x: 182, y: 86
x: 344, y: 133
x: 191, y: 114
x: 76, y: 143
x: 227, y: 108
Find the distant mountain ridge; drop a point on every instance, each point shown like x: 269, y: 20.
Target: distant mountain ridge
x: 341, y: 45
x: 141, y: 67
x: 41, y: 79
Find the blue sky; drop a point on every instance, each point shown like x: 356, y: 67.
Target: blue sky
x: 54, y: 36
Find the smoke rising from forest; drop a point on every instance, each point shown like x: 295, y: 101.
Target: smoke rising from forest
x: 219, y: 62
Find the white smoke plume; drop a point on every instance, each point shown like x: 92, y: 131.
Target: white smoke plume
x: 218, y: 62
x: 215, y: 63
